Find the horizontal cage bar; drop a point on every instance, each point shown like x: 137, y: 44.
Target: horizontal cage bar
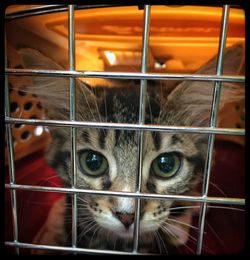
x: 124, y: 126
x: 70, y: 249
x: 48, y: 9
x: 220, y: 200
x: 125, y: 75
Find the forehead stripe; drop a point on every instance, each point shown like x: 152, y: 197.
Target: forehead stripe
x: 102, y: 138
x: 157, y: 140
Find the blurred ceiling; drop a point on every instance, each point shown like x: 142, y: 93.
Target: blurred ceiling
x: 182, y: 38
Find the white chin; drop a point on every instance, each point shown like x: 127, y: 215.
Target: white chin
x: 123, y: 232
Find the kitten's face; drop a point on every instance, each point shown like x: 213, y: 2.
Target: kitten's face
x: 172, y: 162
x: 169, y: 168
x: 108, y: 160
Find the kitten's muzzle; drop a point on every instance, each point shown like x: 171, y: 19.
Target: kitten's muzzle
x: 127, y: 219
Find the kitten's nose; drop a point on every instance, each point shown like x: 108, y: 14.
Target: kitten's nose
x: 126, y: 218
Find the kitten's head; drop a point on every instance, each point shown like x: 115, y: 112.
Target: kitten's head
x: 107, y: 159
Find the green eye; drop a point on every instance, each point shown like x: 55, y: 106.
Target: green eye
x: 92, y: 163
x: 166, y: 165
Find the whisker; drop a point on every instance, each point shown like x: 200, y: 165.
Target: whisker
x: 150, y: 109
x: 158, y: 242
x: 214, y: 232
x: 161, y: 103
x: 105, y: 105
x: 225, y: 207
x: 84, y: 221
x: 82, y: 199
x: 92, y: 224
x: 97, y: 107
x: 183, y: 223
x: 191, y: 238
x: 68, y: 218
x: 219, y: 189
x: 97, y: 229
x: 84, y: 213
x: 168, y: 231
x: 83, y: 232
x: 48, y: 180
x: 189, y: 248
x: 184, y: 207
x: 161, y: 242
x: 87, y: 101
x: 183, y: 231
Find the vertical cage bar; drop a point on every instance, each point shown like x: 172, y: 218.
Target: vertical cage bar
x: 11, y: 158
x: 71, y: 55
x: 143, y: 93
x: 213, y: 121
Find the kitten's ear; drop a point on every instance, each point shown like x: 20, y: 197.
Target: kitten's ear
x: 190, y: 102
x: 234, y: 59
x: 54, y: 91
x: 34, y: 59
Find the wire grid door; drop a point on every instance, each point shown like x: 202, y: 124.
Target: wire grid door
x: 143, y: 76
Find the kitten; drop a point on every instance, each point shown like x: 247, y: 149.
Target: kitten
x: 107, y: 159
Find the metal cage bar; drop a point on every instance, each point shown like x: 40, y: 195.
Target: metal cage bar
x: 11, y: 159
x: 124, y: 126
x: 143, y: 93
x: 48, y: 9
x: 70, y: 249
x: 126, y: 75
x: 217, y: 200
x: 141, y: 127
x: 71, y: 43
x: 213, y: 122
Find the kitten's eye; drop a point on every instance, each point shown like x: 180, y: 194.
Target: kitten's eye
x: 166, y: 165
x: 93, y: 163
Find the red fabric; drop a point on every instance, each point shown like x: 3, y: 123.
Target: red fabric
x: 229, y: 176
x: 225, y: 229
x: 33, y: 206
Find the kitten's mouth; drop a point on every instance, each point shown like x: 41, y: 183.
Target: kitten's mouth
x: 127, y: 232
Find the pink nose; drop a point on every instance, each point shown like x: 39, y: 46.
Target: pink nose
x: 126, y: 218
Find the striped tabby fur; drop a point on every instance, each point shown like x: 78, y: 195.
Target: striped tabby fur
x: 106, y: 222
